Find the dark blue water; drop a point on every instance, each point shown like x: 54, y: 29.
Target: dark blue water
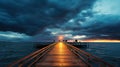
x: 10, y: 52
x: 109, y: 52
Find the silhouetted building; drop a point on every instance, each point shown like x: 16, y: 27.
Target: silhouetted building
x: 76, y: 40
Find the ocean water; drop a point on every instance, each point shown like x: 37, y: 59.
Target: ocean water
x: 109, y: 52
x: 10, y: 52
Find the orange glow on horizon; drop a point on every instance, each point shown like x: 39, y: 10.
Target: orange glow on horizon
x: 100, y: 40
x: 97, y: 40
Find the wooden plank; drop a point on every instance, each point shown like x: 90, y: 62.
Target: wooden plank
x: 60, y: 56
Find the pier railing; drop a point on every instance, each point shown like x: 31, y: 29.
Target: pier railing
x: 27, y: 61
x: 88, y: 58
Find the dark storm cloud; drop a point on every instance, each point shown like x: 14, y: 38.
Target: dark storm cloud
x: 106, y: 25
x: 94, y: 26
x: 44, y: 36
x: 33, y: 16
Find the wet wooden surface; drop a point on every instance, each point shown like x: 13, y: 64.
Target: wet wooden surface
x: 60, y: 56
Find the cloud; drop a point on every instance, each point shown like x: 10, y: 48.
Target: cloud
x: 13, y: 36
x: 81, y: 19
x: 94, y: 26
x: 79, y: 36
x: 107, y: 7
x: 32, y: 17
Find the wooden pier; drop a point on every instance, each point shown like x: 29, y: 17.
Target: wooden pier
x: 60, y: 54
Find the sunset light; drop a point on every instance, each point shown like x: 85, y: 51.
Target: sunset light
x: 60, y: 33
x: 60, y: 45
x: 103, y: 40
x: 60, y: 37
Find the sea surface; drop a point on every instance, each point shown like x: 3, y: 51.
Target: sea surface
x: 11, y: 51
x: 109, y: 52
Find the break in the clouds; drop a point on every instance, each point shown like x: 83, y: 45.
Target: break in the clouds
x: 107, y: 7
x: 46, y: 19
x: 13, y: 36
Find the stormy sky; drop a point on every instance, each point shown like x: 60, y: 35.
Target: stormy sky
x: 36, y: 20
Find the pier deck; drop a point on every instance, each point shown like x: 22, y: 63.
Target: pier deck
x: 60, y: 54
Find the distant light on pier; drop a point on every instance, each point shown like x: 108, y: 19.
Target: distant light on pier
x: 61, y: 37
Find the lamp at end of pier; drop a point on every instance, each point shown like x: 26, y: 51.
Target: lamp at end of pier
x: 60, y: 38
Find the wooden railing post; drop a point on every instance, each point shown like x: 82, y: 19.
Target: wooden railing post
x: 89, y: 57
